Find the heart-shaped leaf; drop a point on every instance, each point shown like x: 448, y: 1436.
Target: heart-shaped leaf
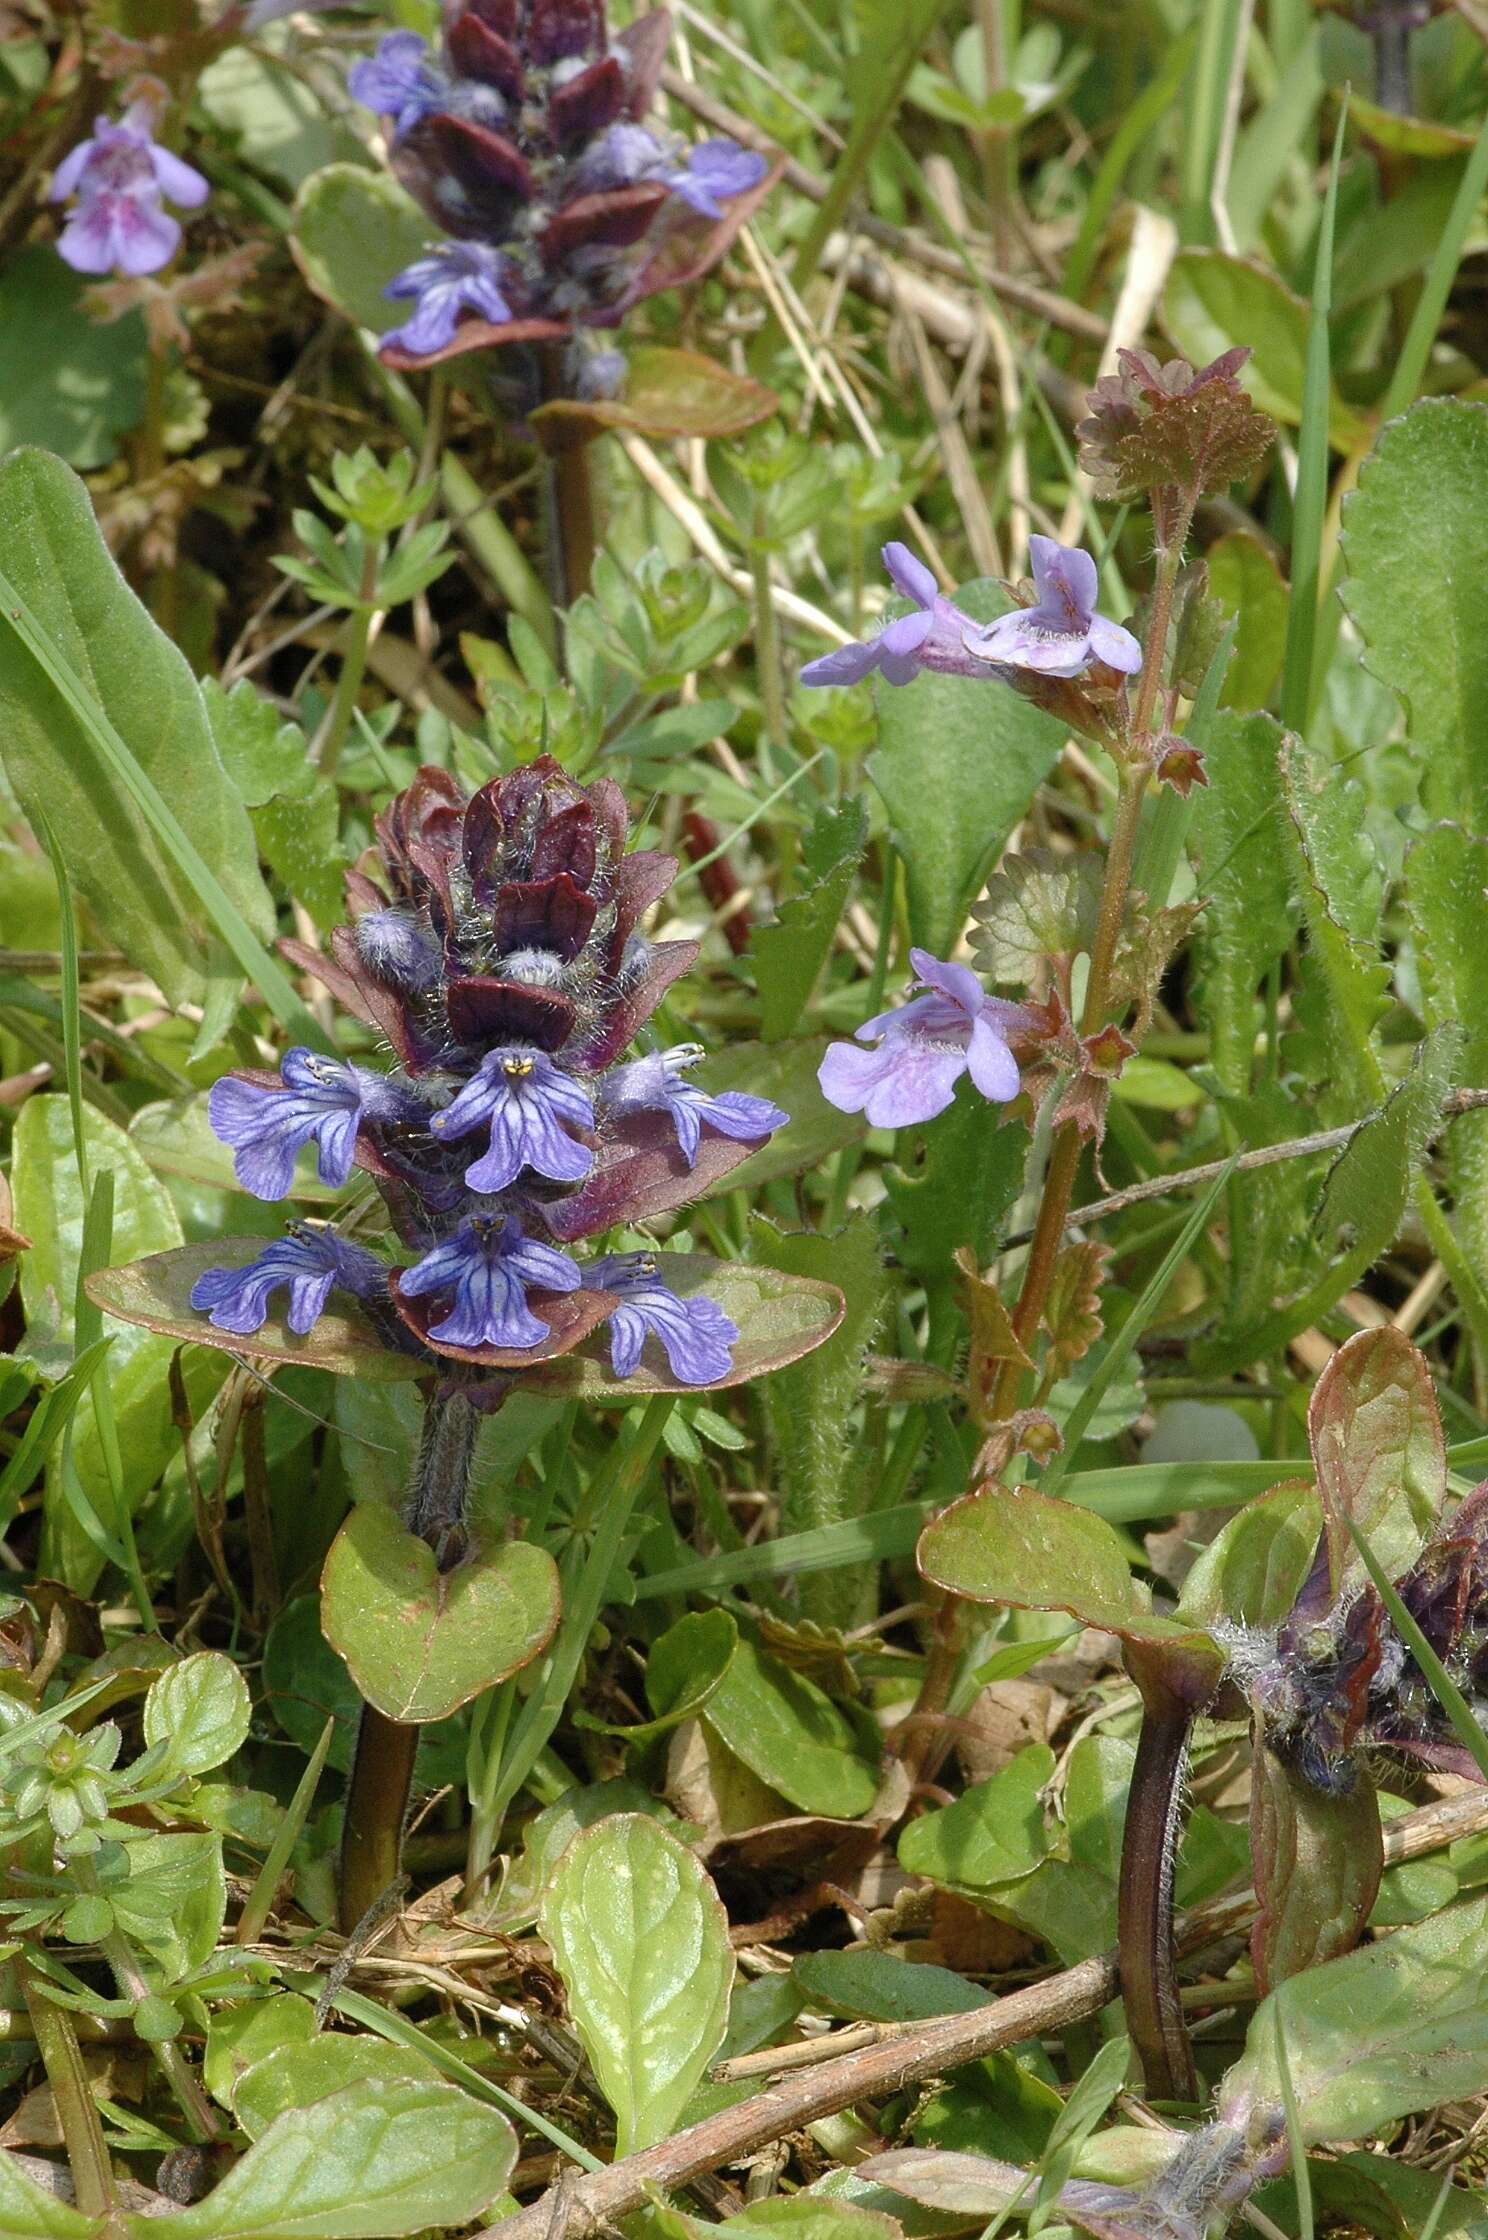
x: 666, y: 393
x: 420, y: 1642
x: 641, y: 1941
x: 157, y: 1293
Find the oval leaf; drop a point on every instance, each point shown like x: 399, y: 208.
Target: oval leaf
x: 1376, y: 1439
x: 666, y: 393
x: 157, y: 1293
x: 1318, y: 1861
x: 420, y: 1642
x: 790, y: 1733
x: 641, y: 1941
x: 373, y: 2162
x: 354, y: 231
x: 200, y: 1710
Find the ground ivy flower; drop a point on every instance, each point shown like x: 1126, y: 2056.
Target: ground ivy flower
x: 529, y: 1107
x: 310, y: 1263
x: 322, y: 1101
x: 1061, y: 634
x: 695, y: 1334
x: 486, y: 1268
x: 454, y: 277
x: 657, y: 1083
x: 398, y: 82
x: 933, y: 637
x: 119, y: 176
x: 923, y: 1049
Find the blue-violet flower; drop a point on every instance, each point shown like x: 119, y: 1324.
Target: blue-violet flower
x: 312, y: 1262
x: 528, y: 1106
x: 323, y: 1101
x: 486, y: 1267
x: 453, y: 277
x: 398, y: 82
x: 695, y: 1334
x: 1061, y: 634
x: 924, y: 1048
x: 657, y: 1083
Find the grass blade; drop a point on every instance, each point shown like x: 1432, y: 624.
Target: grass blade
x: 1310, y: 504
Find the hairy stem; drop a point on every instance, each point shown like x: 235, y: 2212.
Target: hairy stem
x: 570, y: 532
x: 1149, y: 1850
x: 82, y: 2132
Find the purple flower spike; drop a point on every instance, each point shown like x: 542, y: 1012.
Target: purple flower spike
x: 398, y: 81
x: 715, y: 173
x: 1061, y: 634
x: 529, y: 1107
x: 486, y: 1268
x: 322, y: 1101
x: 655, y: 1083
x: 924, y: 1048
x: 695, y: 1334
x: 933, y: 637
x: 454, y: 277
x: 311, y: 1262
x: 120, y: 176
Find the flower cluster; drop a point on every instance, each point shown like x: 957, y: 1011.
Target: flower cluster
x: 523, y: 139
x: 122, y: 179
x: 1057, y: 633
x: 500, y: 958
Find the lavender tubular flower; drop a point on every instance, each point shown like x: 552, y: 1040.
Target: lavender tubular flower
x: 311, y: 1263
x: 1061, y: 634
x: 933, y: 637
x: 120, y: 175
x: 398, y: 82
x: 486, y: 1268
x: 529, y: 1107
x: 923, y: 1049
x: 657, y: 1083
x: 322, y: 1102
x: 695, y: 1334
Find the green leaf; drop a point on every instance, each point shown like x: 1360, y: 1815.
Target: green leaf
x: 354, y: 231
x: 958, y: 762
x: 1244, y: 581
x: 811, y: 1405
x: 682, y: 1672
x: 172, y: 1901
x: 792, y: 1735
x: 1344, y: 985
x: 60, y: 572
x: 1251, y: 913
x: 67, y: 383
x: 878, y: 1987
x: 641, y: 1941
x: 300, y: 840
x: 1416, y: 543
x: 30, y: 2212
x: 993, y: 1834
x: 1382, y: 2033
x: 243, y: 2032
x: 1252, y: 1571
x: 1446, y: 900
x: 420, y: 1642
x: 802, y: 2218
x: 156, y: 1293
x: 261, y: 753
x: 789, y: 952
x: 375, y: 2161
x: 959, y: 1178
x: 301, y: 2071
x: 1009, y: 1544
x: 667, y: 393
x: 1214, y: 301
x: 49, y: 1209
x: 200, y: 1711
x: 1317, y: 1865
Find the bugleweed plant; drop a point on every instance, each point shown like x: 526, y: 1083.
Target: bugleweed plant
x: 745, y: 1293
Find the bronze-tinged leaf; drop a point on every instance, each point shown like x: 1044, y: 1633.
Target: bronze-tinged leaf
x: 1376, y: 1438
x: 1318, y: 1861
x: 569, y: 1315
x: 640, y: 1172
x: 1072, y: 1312
x: 156, y: 1293
x: 1151, y: 427
x: 993, y: 1338
x: 667, y: 393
